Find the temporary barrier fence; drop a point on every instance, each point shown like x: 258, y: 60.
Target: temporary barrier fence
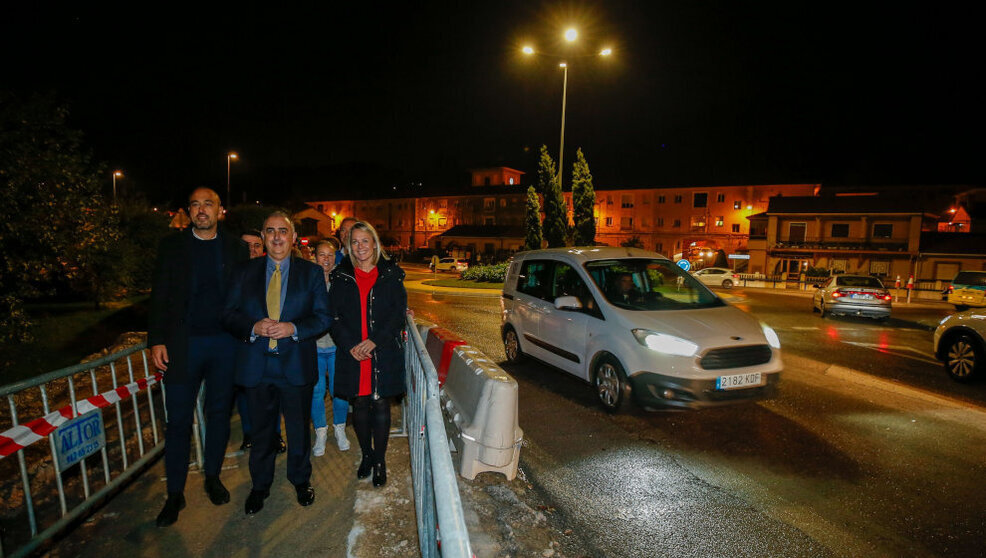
x: 436, y: 492
x: 120, y: 438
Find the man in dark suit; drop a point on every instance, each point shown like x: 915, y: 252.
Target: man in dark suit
x: 278, y: 306
x: 189, y: 344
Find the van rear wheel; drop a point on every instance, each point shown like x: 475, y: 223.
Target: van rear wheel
x: 511, y: 346
x: 611, y: 386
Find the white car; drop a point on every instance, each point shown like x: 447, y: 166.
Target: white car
x: 450, y: 264
x: 960, y: 343
x: 635, y: 326
x: 717, y: 277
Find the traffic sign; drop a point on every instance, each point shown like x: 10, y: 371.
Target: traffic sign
x: 684, y: 264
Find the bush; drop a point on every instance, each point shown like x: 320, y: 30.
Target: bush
x: 817, y: 272
x: 496, y: 273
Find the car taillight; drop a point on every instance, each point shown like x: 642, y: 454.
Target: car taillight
x: 736, y: 276
x: 837, y: 293
x: 951, y: 289
x: 886, y: 296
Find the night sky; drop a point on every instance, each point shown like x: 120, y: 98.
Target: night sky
x: 375, y: 96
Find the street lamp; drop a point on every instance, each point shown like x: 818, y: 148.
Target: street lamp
x: 231, y: 156
x: 571, y: 35
x: 116, y: 174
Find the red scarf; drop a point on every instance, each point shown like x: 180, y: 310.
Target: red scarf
x: 364, y: 282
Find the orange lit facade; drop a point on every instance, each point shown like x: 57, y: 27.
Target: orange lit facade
x: 672, y: 221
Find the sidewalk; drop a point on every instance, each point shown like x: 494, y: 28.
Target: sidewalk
x: 348, y: 518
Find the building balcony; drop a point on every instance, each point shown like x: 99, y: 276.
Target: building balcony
x: 841, y: 244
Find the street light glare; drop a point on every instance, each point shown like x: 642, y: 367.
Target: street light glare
x: 233, y: 155
x: 571, y: 35
x: 527, y: 50
x: 606, y: 52
x: 118, y: 174
x: 563, y: 65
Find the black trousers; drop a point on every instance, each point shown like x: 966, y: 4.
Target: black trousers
x: 266, y: 402
x: 210, y: 359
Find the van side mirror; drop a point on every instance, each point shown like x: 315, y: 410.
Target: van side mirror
x: 568, y: 303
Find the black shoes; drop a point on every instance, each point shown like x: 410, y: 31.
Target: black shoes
x: 247, y: 443
x: 306, y: 494
x: 281, y: 446
x: 169, y: 514
x: 255, y: 501
x: 380, y: 474
x: 365, y: 467
x: 216, y: 491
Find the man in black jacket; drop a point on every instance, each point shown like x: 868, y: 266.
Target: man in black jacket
x: 189, y: 344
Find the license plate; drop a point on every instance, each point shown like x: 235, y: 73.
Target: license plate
x: 738, y: 381
x: 862, y: 296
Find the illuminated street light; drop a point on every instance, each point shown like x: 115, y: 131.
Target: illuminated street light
x: 527, y: 50
x: 231, y: 156
x: 571, y: 34
x: 116, y: 174
x: 605, y: 52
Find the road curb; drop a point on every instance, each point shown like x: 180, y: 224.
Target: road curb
x: 420, y: 287
x: 869, y: 380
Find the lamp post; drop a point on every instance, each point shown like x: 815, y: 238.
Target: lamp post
x: 116, y: 174
x: 570, y: 36
x: 231, y: 156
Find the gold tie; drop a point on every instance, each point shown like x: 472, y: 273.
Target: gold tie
x: 274, y: 301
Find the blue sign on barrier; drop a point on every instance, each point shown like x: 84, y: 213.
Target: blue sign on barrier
x: 684, y: 264
x: 79, y: 438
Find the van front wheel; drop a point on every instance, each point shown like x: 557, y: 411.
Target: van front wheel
x: 511, y: 345
x: 611, y: 386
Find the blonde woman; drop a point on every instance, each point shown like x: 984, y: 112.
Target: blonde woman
x: 368, y: 304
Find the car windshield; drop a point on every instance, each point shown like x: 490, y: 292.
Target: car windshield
x: 649, y: 284
x: 857, y: 281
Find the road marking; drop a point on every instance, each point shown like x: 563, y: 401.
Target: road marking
x: 886, y: 350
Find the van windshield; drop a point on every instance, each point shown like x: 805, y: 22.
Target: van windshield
x: 649, y: 284
x: 970, y: 279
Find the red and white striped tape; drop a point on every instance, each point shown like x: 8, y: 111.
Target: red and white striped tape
x: 23, y: 435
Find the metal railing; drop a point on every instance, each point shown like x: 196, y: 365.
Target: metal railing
x: 436, y: 492
x: 47, y: 500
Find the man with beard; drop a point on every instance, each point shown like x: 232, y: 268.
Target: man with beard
x: 189, y: 345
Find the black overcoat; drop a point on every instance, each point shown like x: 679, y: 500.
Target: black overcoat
x: 171, y: 290
x: 386, y: 309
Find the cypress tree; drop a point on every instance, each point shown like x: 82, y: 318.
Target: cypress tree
x: 555, y: 211
x: 532, y: 221
x: 583, y: 201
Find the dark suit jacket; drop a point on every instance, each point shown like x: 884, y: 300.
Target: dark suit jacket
x: 171, y: 291
x: 306, y: 305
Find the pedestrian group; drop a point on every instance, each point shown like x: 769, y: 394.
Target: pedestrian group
x: 257, y: 322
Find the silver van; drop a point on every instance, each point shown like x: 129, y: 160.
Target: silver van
x: 636, y: 327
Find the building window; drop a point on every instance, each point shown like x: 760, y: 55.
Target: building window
x: 720, y: 221
x: 659, y: 247
x: 661, y: 199
x: 883, y: 230
x: 510, y: 180
x: 737, y: 204
x: 677, y: 198
x: 646, y: 199
x: 489, y: 204
x: 503, y: 202
x: 736, y: 227
x: 488, y: 221
x: 626, y: 201
x: 698, y: 222
x: 609, y: 221
x: 626, y: 222
x: 676, y: 223
x: 840, y: 230
x: 443, y: 204
x: 660, y: 221
x: 720, y: 198
x: 486, y: 181
x: 700, y: 199
x: 609, y: 200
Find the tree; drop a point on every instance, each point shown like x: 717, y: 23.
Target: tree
x: 555, y: 211
x: 583, y: 202
x: 532, y: 220
x: 632, y: 242
x: 721, y: 259
x: 55, y: 225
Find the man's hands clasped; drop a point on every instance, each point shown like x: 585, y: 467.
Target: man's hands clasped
x: 273, y: 329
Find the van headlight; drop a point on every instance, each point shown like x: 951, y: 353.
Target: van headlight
x: 771, y: 336
x: 667, y: 344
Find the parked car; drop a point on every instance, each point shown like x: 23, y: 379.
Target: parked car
x: 636, y: 327
x: 449, y: 264
x: 968, y: 289
x: 852, y: 295
x: 960, y: 343
x: 717, y: 277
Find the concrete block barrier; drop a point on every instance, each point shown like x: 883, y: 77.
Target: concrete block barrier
x: 439, y: 344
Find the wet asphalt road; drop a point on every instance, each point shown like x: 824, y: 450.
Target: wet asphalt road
x: 826, y: 468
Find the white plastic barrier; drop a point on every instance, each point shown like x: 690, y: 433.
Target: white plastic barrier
x: 479, y: 404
